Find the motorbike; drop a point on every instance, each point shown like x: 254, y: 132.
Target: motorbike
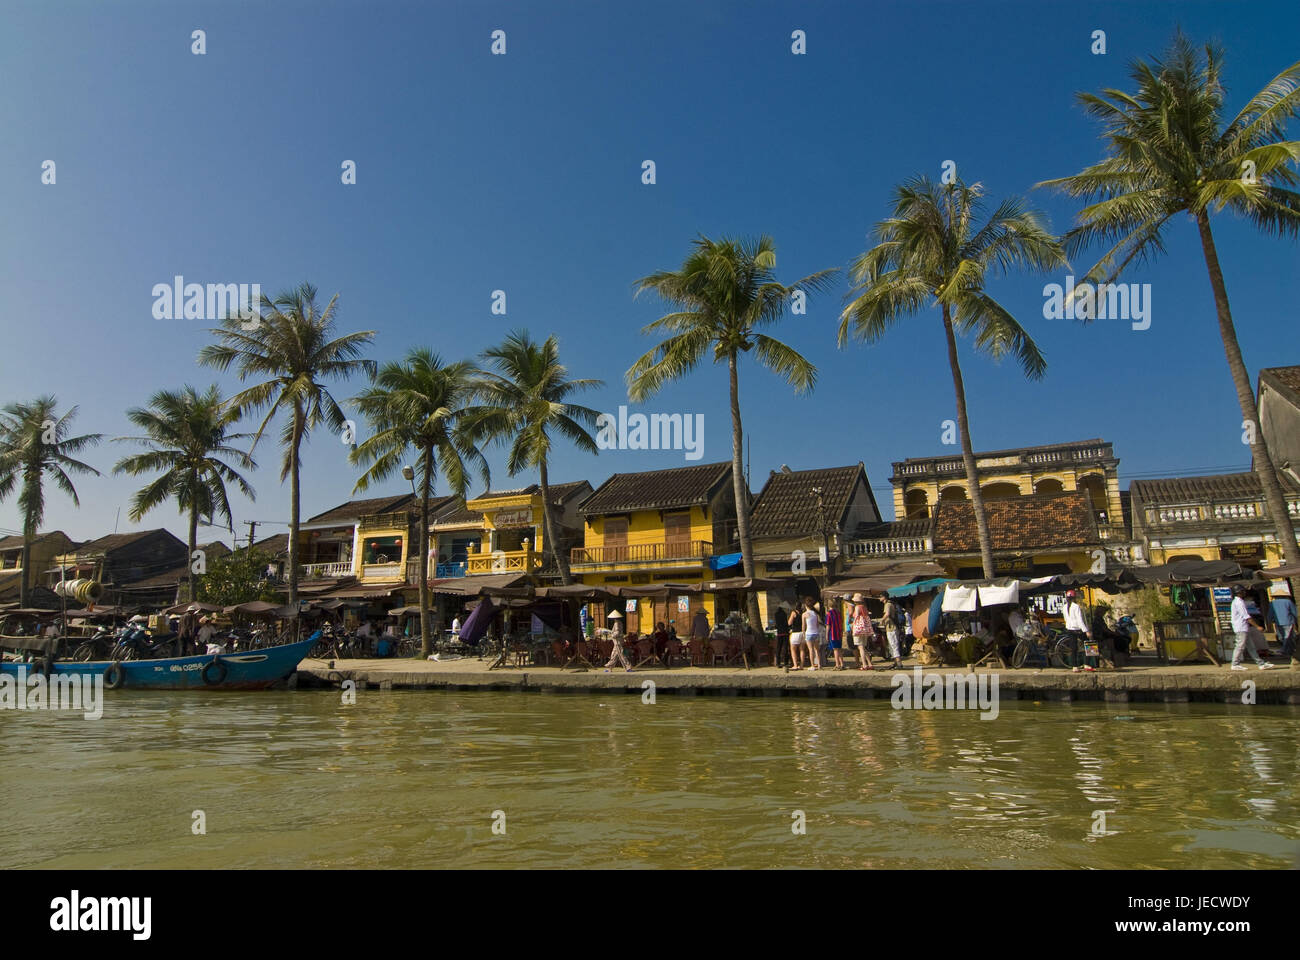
x: 136, y: 643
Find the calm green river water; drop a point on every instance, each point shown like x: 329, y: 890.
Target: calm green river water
x: 296, y: 779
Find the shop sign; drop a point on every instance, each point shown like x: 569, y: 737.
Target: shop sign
x: 518, y: 517
x: 1242, y: 551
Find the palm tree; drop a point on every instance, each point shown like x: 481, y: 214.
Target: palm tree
x: 523, y: 401
x: 187, y: 434
x: 1169, y: 152
x: 289, y: 341
x: 34, y: 441
x: 724, y: 292
x: 419, y: 402
x: 936, y: 250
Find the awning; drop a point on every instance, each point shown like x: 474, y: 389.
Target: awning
x: 920, y: 586
x: 260, y: 608
x: 1276, y: 573
x: 723, y: 560
x: 657, y: 591
x: 578, y: 591
x: 739, y: 583
x: 477, y: 586
x: 882, y: 575
x: 198, y: 608
x: 361, y: 592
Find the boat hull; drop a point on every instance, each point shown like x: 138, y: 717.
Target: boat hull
x: 248, y: 670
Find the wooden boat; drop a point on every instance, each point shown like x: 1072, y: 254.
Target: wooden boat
x: 247, y: 670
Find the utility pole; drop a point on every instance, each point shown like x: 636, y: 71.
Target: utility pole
x: 252, y: 531
x: 826, y: 537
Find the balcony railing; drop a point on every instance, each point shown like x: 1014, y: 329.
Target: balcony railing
x: 1232, y: 512
x: 503, y: 561
x: 1087, y: 453
x: 439, y: 571
x: 381, y: 571
x: 888, y: 547
x: 325, y: 571
x: 643, y: 552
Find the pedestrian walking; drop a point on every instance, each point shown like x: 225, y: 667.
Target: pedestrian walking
x: 892, y: 631
x: 781, y: 620
x: 1075, y: 627
x: 1284, y: 619
x: 812, y: 633
x: 835, y: 632
x: 1245, y: 629
x: 863, y: 632
x: 616, y: 635
x: 795, y: 622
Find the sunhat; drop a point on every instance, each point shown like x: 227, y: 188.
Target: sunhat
x: 857, y: 598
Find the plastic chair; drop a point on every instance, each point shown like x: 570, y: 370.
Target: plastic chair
x: 718, y: 648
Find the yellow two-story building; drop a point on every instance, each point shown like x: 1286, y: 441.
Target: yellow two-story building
x: 660, y: 527
x: 514, y: 528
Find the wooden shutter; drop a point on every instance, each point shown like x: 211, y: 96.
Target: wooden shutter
x: 677, y: 534
x: 615, y: 539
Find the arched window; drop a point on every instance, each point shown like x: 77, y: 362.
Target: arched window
x: 1048, y: 485
x: 1094, y: 484
x: 916, y: 503
x: 1000, y: 491
x: 953, y: 493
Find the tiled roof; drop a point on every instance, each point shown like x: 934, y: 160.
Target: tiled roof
x: 116, y: 541
x: 452, y: 511
x: 1222, y: 486
x: 1040, y: 522
x: 1286, y: 380
x: 657, y: 489
x: 786, y: 506
x: 910, y: 527
x: 15, y: 543
x: 559, y: 491
x: 277, y: 543
x: 353, y: 510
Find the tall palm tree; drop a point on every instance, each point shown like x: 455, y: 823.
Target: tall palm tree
x: 188, y: 434
x: 724, y: 293
x: 419, y: 403
x: 290, y: 342
x: 1170, y: 152
x: 34, y: 441
x: 523, y: 401
x: 936, y: 250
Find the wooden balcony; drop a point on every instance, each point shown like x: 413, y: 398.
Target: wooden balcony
x: 643, y: 552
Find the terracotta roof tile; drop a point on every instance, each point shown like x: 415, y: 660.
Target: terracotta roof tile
x: 1040, y: 522
x: 657, y: 489
x: 786, y: 506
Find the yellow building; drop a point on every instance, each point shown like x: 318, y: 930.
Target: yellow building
x: 657, y: 527
x: 514, y: 527
x: 1088, y: 465
x: 1220, y: 517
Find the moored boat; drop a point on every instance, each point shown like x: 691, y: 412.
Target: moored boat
x: 246, y: 670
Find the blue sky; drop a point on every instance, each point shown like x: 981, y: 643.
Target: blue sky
x: 523, y: 173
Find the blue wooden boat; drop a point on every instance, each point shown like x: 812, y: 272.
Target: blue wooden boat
x: 247, y: 670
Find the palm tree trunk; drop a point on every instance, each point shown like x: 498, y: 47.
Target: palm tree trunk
x: 552, y: 544
x: 194, y: 545
x: 295, y: 441
x: 1283, y: 528
x: 967, y: 455
x: 741, y: 491
x: 24, y: 584
x: 426, y: 624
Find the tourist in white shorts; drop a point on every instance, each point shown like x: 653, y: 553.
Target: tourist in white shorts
x: 796, y: 635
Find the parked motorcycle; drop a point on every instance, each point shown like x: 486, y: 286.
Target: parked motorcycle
x: 136, y: 643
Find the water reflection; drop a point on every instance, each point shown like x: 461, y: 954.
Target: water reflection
x: 412, y: 780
